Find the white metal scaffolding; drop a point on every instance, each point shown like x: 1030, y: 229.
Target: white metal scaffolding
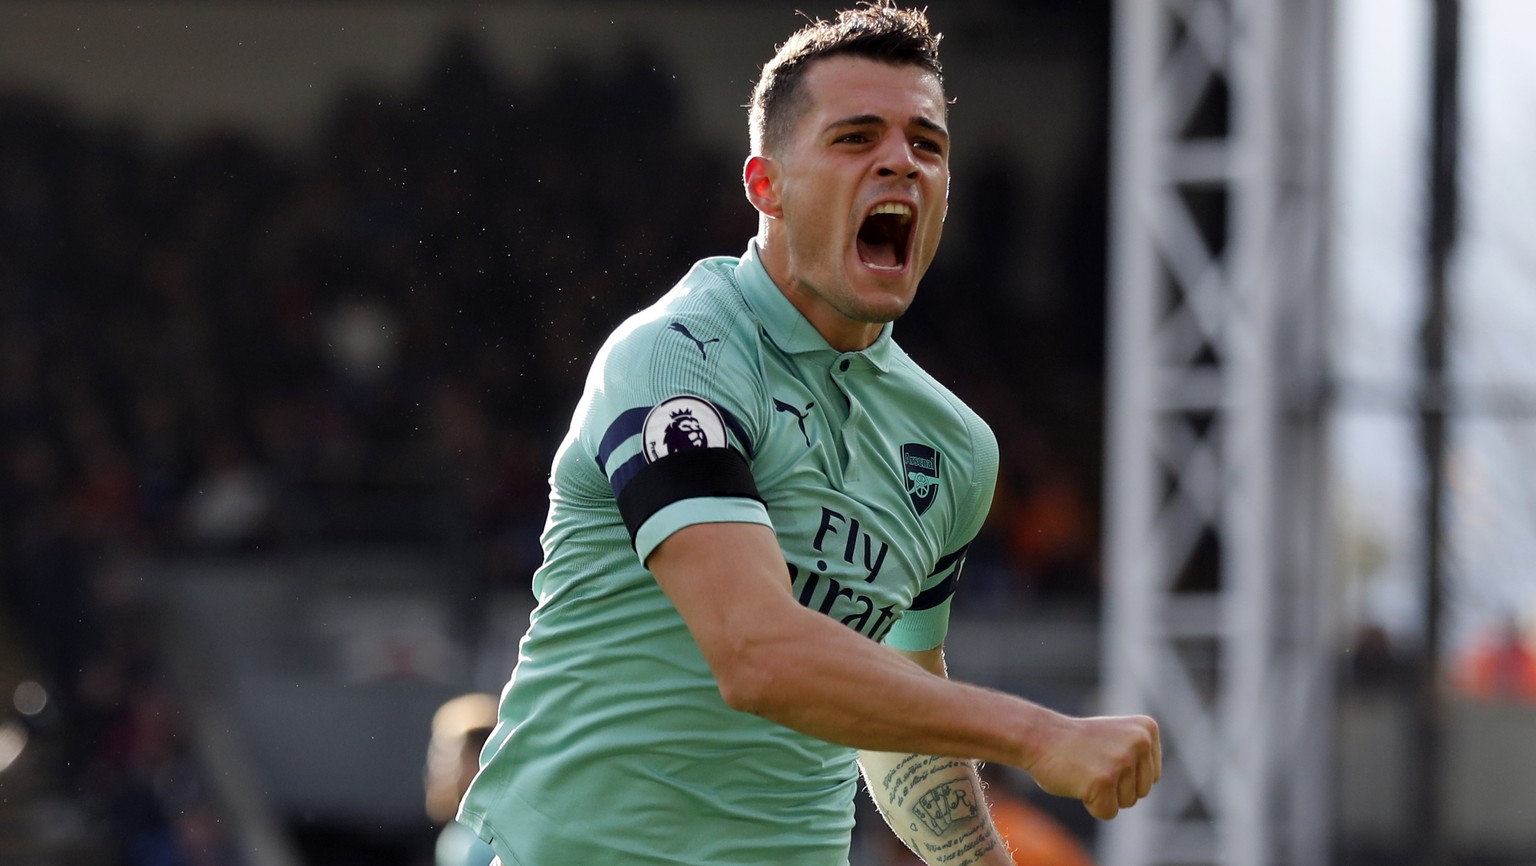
x: 1219, y: 615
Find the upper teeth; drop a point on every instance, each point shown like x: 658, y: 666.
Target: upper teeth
x: 893, y: 207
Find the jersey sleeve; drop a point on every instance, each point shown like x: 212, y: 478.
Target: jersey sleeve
x: 669, y: 420
x: 926, y: 622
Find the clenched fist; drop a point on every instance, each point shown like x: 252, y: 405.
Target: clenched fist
x: 1108, y: 762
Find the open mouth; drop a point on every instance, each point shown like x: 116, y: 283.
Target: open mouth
x: 883, y: 238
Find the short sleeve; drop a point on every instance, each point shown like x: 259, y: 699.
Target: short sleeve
x: 670, y: 421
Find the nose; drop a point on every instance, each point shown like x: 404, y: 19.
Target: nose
x: 896, y: 158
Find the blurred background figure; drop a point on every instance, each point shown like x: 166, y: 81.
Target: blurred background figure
x: 1035, y: 837
x: 459, y: 729
x: 1500, y: 665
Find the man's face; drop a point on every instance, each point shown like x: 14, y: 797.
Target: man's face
x: 862, y: 186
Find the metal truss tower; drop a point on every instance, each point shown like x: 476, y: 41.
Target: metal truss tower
x: 1219, y: 617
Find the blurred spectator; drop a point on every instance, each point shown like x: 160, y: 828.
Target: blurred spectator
x: 459, y: 730
x: 143, y: 776
x: 1035, y: 838
x: 1375, y: 663
x: 229, y: 505
x: 1500, y: 665
x: 1048, y: 529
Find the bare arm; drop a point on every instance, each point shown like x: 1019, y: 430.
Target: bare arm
x: 776, y: 659
x: 934, y: 804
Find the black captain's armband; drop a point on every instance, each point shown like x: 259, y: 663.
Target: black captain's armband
x: 688, y: 474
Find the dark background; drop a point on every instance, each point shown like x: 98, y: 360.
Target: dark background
x: 253, y: 318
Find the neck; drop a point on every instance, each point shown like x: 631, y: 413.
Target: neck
x: 841, y: 332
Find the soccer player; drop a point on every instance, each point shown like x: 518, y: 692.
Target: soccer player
x: 756, y: 524
x: 459, y: 730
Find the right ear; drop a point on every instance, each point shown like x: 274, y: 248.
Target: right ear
x: 760, y: 179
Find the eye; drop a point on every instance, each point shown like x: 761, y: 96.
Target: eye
x: 853, y: 138
x: 928, y: 144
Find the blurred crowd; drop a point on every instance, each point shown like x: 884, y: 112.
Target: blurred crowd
x: 216, y: 346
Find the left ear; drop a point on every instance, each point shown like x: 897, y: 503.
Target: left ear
x: 759, y: 177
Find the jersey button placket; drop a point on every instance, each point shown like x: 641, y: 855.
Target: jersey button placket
x: 851, y: 427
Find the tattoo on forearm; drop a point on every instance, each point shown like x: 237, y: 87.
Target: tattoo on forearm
x: 936, y: 807
x: 910, y: 773
x: 946, y: 804
x: 963, y: 850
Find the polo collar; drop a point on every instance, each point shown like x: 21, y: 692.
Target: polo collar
x: 786, y: 327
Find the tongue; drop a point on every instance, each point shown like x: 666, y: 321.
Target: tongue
x: 881, y: 253
x: 877, y: 243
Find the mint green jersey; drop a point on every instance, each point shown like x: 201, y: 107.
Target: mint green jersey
x: 720, y: 403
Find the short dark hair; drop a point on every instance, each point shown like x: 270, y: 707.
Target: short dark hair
x: 876, y: 29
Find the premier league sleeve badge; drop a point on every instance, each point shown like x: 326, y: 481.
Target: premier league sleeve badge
x: 682, y: 423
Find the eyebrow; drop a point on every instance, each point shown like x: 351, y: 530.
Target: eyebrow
x: 875, y: 119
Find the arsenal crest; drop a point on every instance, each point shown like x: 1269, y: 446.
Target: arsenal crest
x: 920, y: 470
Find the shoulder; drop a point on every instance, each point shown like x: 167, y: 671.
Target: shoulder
x: 945, y: 409
x: 703, y: 316
x: 698, y: 341
x: 960, y: 442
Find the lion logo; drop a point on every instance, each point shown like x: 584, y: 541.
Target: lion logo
x: 682, y: 423
x: 685, y: 431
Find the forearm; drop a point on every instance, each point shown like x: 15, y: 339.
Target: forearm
x: 935, y: 805
x: 828, y: 681
x: 781, y: 661
x: 777, y: 659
